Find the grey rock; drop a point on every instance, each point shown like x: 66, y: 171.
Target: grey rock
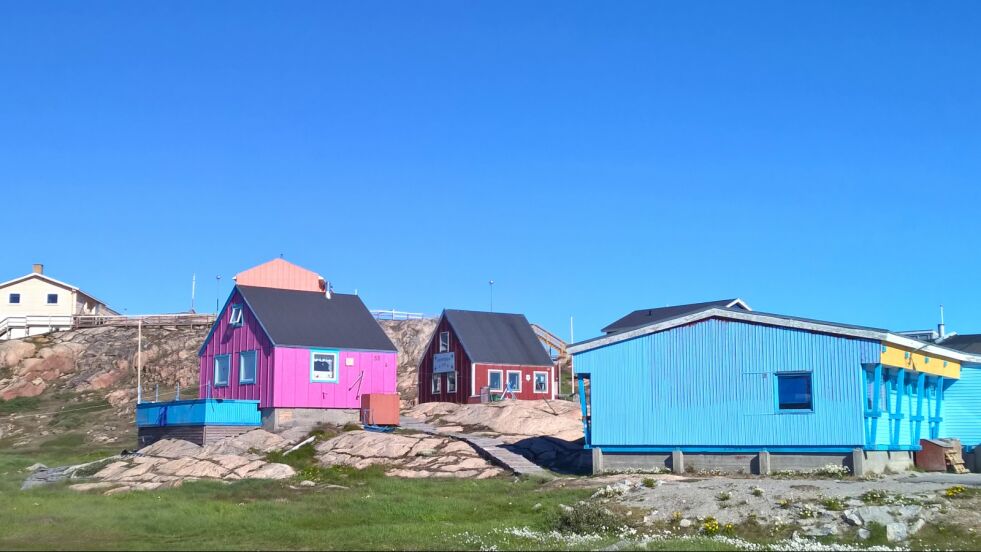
x: 684, y: 523
x: 909, y: 511
x: 917, y: 525
x: 852, y: 518
x: 864, y: 534
x: 896, y: 532
x: 537, y: 506
x: 307, y: 483
x: 822, y: 530
x: 35, y: 467
x: 875, y: 514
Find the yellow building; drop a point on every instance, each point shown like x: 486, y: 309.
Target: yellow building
x: 35, y: 303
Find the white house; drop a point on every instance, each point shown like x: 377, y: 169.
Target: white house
x: 35, y: 304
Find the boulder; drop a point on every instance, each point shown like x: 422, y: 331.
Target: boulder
x: 256, y: 440
x: 874, y: 514
x: 272, y: 471
x: 171, y: 448
x: 896, y: 532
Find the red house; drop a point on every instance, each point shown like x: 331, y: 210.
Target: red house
x: 470, y: 351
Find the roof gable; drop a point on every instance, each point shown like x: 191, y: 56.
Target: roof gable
x: 497, y: 338
x: 643, y: 317
x: 281, y: 274
x: 294, y: 318
x: 51, y: 281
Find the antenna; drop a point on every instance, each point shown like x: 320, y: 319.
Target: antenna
x: 491, y: 284
x: 217, y: 292
x: 941, y: 329
x: 193, y: 284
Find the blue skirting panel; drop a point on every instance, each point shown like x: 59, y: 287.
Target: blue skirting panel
x: 199, y: 412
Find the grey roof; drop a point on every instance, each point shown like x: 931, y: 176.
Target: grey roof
x: 644, y: 317
x: 308, y: 319
x: 968, y: 343
x: 497, y: 338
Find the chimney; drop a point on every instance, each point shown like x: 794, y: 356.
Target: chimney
x: 38, y: 268
x: 941, y: 328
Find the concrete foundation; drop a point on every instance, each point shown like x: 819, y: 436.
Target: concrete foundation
x: 764, y: 463
x: 278, y: 419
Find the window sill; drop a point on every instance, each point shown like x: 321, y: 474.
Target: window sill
x: 795, y: 411
x: 246, y: 383
x: 219, y: 385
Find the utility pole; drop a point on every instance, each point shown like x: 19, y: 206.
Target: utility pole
x: 193, y: 284
x: 139, y: 361
x: 217, y: 293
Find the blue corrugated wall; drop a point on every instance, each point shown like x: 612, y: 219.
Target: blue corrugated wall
x: 711, y: 384
x: 198, y: 412
x: 962, y: 407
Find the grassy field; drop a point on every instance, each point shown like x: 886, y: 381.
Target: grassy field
x: 371, y: 512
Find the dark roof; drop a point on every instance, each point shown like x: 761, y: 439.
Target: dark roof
x: 643, y: 317
x: 968, y: 343
x: 497, y: 338
x: 308, y: 319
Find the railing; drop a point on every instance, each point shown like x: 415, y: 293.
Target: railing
x: 550, y: 339
x: 181, y: 319
x: 28, y: 322
x: 392, y: 314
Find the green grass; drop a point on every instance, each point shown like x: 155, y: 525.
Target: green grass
x: 20, y: 404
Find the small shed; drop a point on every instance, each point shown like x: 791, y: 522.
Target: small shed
x: 496, y: 353
x: 933, y: 454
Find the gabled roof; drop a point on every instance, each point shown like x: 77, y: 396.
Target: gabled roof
x: 818, y: 326
x: 649, y: 316
x: 497, y: 338
x: 282, y: 274
x: 50, y: 280
x: 309, y: 319
x: 968, y: 343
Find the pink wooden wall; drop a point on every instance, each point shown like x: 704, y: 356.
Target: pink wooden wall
x: 295, y: 390
x: 231, y: 340
x: 281, y: 274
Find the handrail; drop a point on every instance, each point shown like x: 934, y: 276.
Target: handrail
x: 178, y: 319
x: 392, y: 314
x: 550, y: 339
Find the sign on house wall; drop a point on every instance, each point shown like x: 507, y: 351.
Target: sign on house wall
x: 443, y: 363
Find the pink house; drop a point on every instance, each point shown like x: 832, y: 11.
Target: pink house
x: 306, y: 356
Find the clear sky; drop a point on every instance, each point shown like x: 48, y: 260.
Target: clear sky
x: 591, y: 158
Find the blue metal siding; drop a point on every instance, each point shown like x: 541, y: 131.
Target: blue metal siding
x: 961, y: 408
x: 198, y: 412
x: 712, y: 384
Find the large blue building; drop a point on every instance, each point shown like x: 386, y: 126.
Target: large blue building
x: 719, y: 386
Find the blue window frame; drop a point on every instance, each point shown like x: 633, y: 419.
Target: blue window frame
x: 324, y: 366
x: 494, y: 380
x: 52, y: 298
x: 235, y: 315
x: 222, y: 366
x: 246, y: 366
x: 794, y: 392
x: 14, y: 298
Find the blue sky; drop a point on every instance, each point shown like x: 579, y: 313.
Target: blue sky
x: 592, y: 158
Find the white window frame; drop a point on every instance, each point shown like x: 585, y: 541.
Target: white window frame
x: 444, y: 346
x: 314, y: 375
x: 236, y: 315
x: 451, y: 378
x: 228, y: 368
x: 508, y: 379
x: 534, y: 382
x: 435, y: 384
x: 241, y: 367
x: 502, y: 380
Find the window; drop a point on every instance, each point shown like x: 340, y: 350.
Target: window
x: 246, y: 367
x: 494, y: 380
x: 235, y: 316
x: 222, y: 364
x: 444, y: 341
x: 794, y: 391
x: 52, y: 298
x: 541, y: 382
x: 323, y: 366
x: 451, y: 382
x: 14, y: 298
x: 514, y: 381
x: 435, y: 383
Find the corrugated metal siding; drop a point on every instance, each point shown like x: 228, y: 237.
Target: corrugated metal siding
x: 712, y: 384
x: 231, y: 340
x: 198, y: 412
x: 961, y: 408
x: 369, y: 372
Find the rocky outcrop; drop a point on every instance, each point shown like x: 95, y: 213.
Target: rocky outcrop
x: 559, y: 419
x: 98, y: 359
x: 406, y: 455
x: 171, y: 462
x: 411, y: 338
